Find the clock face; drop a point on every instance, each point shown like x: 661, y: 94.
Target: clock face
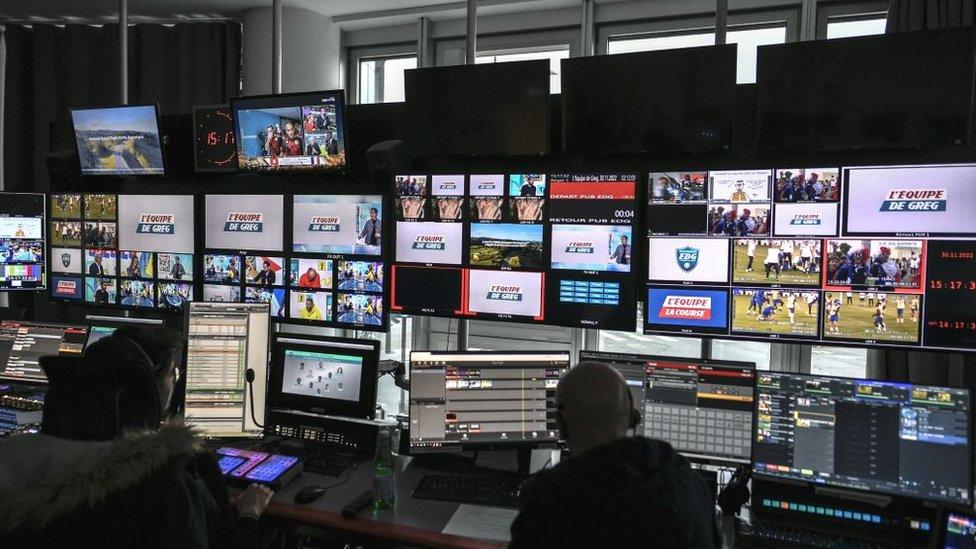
x: 216, y: 146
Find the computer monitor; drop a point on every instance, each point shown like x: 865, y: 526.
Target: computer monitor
x: 22, y: 344
x: 958, y: 530
x: 121, y: 140
x: 894, y: 438
x: 103, y: 326
x: 22, y: 241
x: 224, y: 340
x: 703, y: 408
x: 484, y: 400
x: 324, y: 375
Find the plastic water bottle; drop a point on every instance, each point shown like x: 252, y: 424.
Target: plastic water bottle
x: 384, y: 475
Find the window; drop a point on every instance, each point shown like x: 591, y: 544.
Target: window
x: 846, y: 27
x: 748, y: 40
x: 381, y: 78
x: 554, y: 55
x: 839, y: 361
x: 743, y: 351
x: 664, y: 345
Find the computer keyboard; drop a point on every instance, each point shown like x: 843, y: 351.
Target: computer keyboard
x: 321, y: 459
x: 479, y: 490
x: 761, y: 534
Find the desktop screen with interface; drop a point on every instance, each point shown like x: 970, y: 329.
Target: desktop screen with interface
x: 895, y: 438
x: 958, y: 531
x: 22, y: 344
x: 224, y: 340
x: 475, y: 399
x: 324, y: 375
x: 703, y: 408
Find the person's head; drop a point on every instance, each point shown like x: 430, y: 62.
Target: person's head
x: 311, y: 272
x: 267, y: 264
x: 177, y: 259
x: 98, y: 258
x: 309, y: 303
x: 373, y: 213
x: 624, y: 239
x: 290, y: 130
x: 594, y: 406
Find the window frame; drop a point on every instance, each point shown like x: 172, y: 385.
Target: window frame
x: 450, y: 51
x: 848, y: 11
x: 366, y: 53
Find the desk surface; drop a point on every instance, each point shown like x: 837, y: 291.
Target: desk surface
x: 413, y: 521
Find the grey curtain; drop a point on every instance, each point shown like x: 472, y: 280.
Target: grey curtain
x: 51, y: 68
x: 912, y: 15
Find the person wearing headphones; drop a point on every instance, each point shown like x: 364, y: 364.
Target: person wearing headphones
x: 616, y: 490
x: 107, y: 471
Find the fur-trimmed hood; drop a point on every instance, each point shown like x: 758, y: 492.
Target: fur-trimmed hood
x: 43, y: 478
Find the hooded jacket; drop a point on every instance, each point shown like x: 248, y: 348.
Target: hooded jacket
x: 633, y: 492
x: 146, y: 489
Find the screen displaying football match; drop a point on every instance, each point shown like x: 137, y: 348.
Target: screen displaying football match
x: 291, y: 132
x: 118, y: 140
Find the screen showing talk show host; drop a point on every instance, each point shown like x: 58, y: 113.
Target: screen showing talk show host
x: 345, y: 224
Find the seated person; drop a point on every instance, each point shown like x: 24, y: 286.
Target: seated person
x: 615, y: 490
x: 114, y: 475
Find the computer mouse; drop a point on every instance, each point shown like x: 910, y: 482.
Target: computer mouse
x: 308, y: 494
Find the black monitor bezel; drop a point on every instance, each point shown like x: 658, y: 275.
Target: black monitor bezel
x: 495, y: 445
x: 836, y: 486
x: 277, y: 399
x: 159, y: 132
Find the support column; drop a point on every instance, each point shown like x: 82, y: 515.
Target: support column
x: 471, y: 38
x: 721, y: 21
x: 276, y: 15
x: 124, y: 52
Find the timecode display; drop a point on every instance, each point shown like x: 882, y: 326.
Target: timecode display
x: 950, y: 308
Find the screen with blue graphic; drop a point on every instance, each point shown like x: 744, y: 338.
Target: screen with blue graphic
x: 895, y: 438
x: 118, y: 140
x: 698, y: 310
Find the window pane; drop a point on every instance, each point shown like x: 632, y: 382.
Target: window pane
x: 381, y: 79
x: 629, y: 342
x: 839, y: 361
x: 747, y: 39
x: 744, y: 351
x: 554, y: 55
x: 841, y: 28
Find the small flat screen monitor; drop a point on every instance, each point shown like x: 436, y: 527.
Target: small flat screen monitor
x: 22, y: 344
x: 224, y: 340
x: 893, y: 438
x: 22, y: 241
x: 294, y: 132
x: 499, y: 109
x: 472, y: 400
x: 958, y: 530
x: 118, y: 140
x: 609, y: 106
x: 100, y: 327
x: 703, y: 408
x: 324, y: 375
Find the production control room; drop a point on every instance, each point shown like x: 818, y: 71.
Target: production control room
x: 536, y: 273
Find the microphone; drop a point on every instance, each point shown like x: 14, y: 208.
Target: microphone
x: 249, y: 377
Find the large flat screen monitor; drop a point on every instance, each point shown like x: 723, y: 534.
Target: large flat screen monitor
x: 293, y: 132
x: 499, y: 109
x: 22, y: 241
x: 22, y: 344
x: 471, y: 400
x: 894, y: 438
x: 224, y: 340
x: 703, y: 408
x: 118, y: 140
x: 324, y: 375
x: 609, y: 106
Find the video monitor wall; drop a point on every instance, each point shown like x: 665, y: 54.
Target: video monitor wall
x: 321, y: 264
x: 125, y: 250
x: 842, y: 256
x: 22, y: 241
x: 118, y: 140
x: 523, y: 247
x: 302, y: 131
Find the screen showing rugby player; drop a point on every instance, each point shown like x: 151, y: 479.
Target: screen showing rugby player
x: 776, y: 262
x: 872, y: 316
x: 772, y: 312
x: 885, y: 264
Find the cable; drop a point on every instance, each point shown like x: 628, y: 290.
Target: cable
x: 249, y: 376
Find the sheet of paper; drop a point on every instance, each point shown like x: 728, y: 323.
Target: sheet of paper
x: 477, y: 521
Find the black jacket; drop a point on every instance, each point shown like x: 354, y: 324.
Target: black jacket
x: 146, y: 489
x: 633, y: 492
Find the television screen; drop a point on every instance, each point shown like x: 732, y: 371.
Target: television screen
x: 245, y: 222
x: 610, y: 106
x: 342, y: 224
x: 22, y: 241
x: 506, y: 294
x: 118, y: 140
x: 882, y: 264
x: 687, y: 310
x: 881, y: 317
x: 688, y: 260
x: 301, y: 131
x: 428, y: 290
x: 950, y: 304
x: 156, y: 223
x: 805, y: 219
x: 934, y: 200
x: 836, y: 95
x: 214, y: 138
x: 791, y: 313
x: 777, y: 262
x: 499, y: 109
